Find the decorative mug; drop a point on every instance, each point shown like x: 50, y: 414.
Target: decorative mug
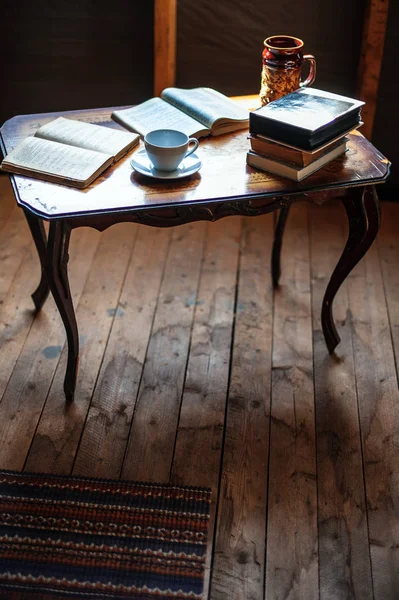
x: 282, y: 61
x: 166, y: 148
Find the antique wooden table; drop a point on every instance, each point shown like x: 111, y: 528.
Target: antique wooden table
x: 224, y: 186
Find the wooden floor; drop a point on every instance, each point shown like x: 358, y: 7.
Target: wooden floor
x: 193, y: 371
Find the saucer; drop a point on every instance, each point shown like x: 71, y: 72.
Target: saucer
x: 142, y: 164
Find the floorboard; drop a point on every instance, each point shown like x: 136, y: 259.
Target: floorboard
x: 103, y: 443
x: 239, y: 547
x: 292, y: 567
x: 194, y: 371
x: 149, y: 453
x: 59, y: 430
x: 377, y: 390
x: 344, y: 557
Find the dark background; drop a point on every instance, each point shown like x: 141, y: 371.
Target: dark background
x: 70, y: 54
x: 59, y: 54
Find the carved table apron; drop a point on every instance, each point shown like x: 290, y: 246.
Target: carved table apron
x: 224, y: 186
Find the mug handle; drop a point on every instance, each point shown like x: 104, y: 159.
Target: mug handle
x: 312, y: 70
x: 193, y: 149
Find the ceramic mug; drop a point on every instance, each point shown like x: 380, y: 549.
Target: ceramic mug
x: 282, y: 61
x: 166, y: 148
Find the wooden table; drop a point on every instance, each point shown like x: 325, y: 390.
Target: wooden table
x: 224, y: 186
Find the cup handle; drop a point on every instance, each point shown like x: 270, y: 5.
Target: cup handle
x: 193, y: 149
x: 312, y: 70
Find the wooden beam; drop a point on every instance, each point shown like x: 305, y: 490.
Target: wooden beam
x: 371, y: 59
x: 164, y: 44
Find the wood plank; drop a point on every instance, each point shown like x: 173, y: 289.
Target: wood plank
x: 292, y: 546
x: 377, y: 389
x: 60, y: 427
x: 16, y: 316
x: 369, y: 69
x: 343, y: 538
x: 30, y: 381
x: 151, y: 443
x: 15, y: 245
x: 106, y: 431
x: 19, y: 275
x: 164, y: 44
x: 388, y: 245
x: 7, y: 200
x: 239, y: 549
x: 199, y: 433
x: 199, y: 438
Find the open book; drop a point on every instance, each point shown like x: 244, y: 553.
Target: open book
x: 197, y: 112
x: 69, y: 152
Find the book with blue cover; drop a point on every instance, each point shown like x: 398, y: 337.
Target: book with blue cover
x: 306, y: 118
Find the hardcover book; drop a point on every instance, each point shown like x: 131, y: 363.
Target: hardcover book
x: 197, y: 112
x: 292, y: 171
x: 265, y: 147
x: 69, y: 152
x: 306, y: 118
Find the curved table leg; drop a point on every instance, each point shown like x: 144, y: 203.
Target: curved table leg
x: 58, y: 243
x: 36, y: 227
x: 277, y: 243
x: 362, y: 208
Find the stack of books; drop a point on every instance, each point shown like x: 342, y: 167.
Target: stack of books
x: 298, y: 134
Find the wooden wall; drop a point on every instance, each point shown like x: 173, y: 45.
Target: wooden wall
x: 69, y: 54
x: 386, y: 124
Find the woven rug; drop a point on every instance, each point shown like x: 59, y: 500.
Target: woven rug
x: 64, y: 537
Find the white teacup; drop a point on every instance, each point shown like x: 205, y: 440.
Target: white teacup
x: 166, y: 148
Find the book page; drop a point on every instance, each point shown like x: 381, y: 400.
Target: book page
x: 158, y: 114
x: 205, y: 105
x: 43, y: 156
x: 86, y: 135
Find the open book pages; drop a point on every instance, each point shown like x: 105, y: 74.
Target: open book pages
x: 88, y: 136
x: 196, y: 112
x: 69, y: 152
x: 58, y: 163
x: 158, y: 114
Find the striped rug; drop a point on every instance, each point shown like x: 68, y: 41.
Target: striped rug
x: 73, y: 537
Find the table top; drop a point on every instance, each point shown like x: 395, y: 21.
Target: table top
x: 224, y: 175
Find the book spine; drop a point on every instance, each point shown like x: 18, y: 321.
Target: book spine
x: 284, y: 154
x: 271, y: 167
